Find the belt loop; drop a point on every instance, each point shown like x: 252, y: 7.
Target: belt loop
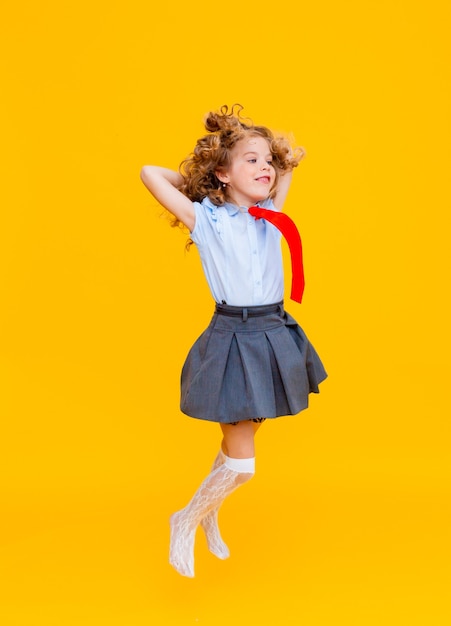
x: 281, y: 311
x: 244, y: 315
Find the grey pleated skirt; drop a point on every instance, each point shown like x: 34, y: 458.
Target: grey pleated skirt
x: 250, y: 362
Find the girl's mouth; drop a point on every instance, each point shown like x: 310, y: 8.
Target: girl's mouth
x: 263, y: 179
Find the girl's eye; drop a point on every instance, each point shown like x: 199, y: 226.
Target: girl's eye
x: 269, y: 162
x: 252, y: 160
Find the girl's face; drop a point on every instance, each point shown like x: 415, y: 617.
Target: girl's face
x: 251, y: 175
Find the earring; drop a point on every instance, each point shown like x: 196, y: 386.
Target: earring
x: 224, y: 184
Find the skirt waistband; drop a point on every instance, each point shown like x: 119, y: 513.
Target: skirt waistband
x: 249, y: 311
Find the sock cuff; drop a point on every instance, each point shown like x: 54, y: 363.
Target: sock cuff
x: 242, y: 466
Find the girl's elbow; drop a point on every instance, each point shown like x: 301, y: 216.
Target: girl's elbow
x: 146, y: 175
x: 144, y: 172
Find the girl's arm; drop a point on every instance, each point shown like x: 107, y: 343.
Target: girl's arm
x: 162, y: 184
x: 282, y: 189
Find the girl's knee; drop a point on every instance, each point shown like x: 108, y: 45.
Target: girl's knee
x: 239, y: 440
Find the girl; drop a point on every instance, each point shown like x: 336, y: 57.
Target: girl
x: 254, y: 361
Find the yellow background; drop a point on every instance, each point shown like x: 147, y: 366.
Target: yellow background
x: 347, y: 520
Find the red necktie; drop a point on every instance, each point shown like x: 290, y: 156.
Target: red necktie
x: 288, y: 229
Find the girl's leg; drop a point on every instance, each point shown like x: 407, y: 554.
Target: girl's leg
x: 238, y: 439
x: 209, y: 524
x: 216, y: 487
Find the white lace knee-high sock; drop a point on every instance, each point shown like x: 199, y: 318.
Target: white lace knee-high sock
x: 215, y: 488
x: 210, y: 525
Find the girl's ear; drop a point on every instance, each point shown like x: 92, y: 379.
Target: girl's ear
x: 222, y: 176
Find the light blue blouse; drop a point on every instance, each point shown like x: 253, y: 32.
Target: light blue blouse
x: 241, y: 256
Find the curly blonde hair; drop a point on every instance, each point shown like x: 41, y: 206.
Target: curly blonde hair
x: 212, y: 153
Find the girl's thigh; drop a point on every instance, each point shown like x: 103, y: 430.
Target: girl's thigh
x: 239, y: 439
